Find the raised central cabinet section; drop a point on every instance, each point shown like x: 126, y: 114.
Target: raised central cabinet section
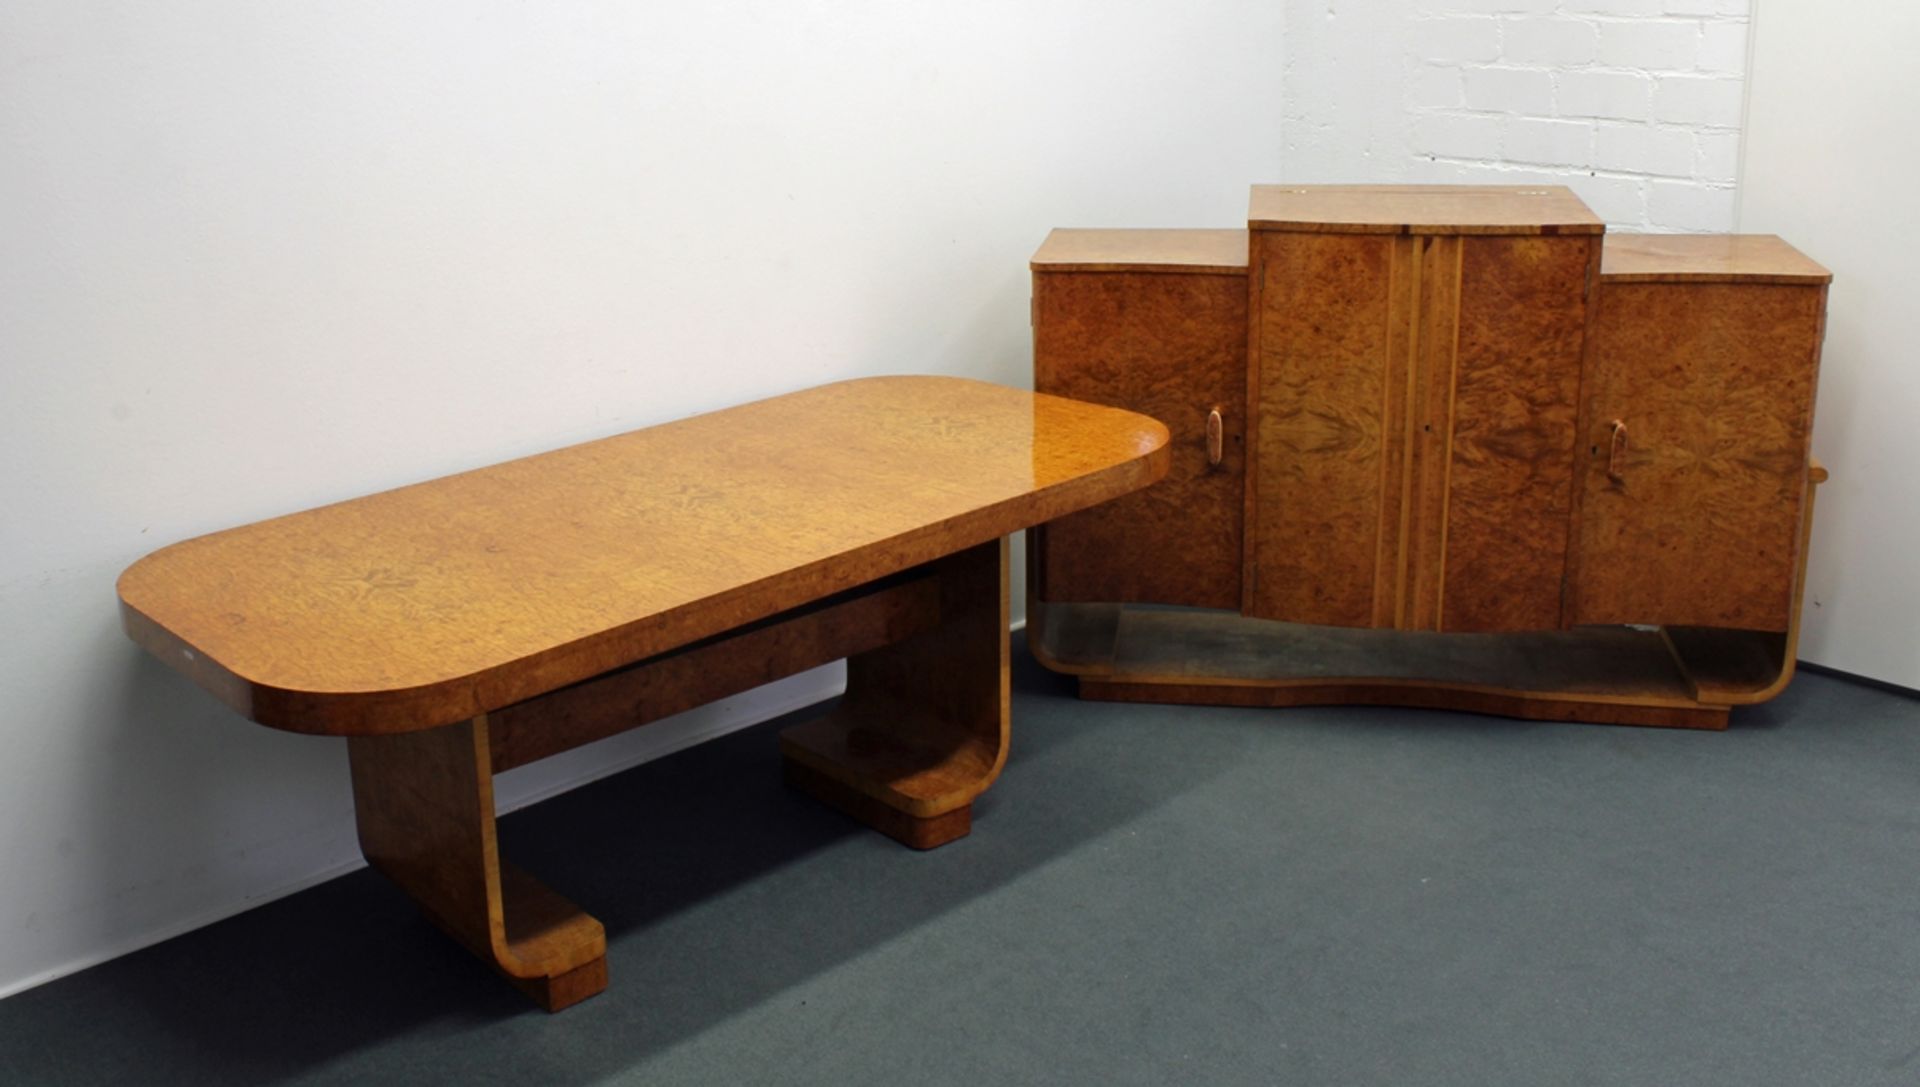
x: 1416, y: 374
x: 1437, y: 446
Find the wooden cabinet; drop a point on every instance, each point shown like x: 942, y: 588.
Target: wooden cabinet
x: 1416, y: 367
x: 1155, y: 320
x: 1697, y: 418
x: 1493, y: 457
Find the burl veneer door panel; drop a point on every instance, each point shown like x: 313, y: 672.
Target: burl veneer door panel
x: 1319, y: 486
x: 1514, y: 419
x: 1693, y: 517
x: 1172, y: 346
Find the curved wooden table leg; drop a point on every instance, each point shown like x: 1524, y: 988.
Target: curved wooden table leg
x: 424, y: 804
x: 922, y: 729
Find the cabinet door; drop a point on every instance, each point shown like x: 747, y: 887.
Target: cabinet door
x: 1172, y: 346
x: 1692, y: 516
x: 1415, y: 424
x: 1514, y: 428
x: 1326, y: 481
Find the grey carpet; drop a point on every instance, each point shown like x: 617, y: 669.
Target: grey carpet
x: 1151, y: 895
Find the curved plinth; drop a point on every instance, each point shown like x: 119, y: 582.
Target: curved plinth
x: 1685, y: 677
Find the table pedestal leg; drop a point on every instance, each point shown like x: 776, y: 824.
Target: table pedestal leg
x: 424, y: 804
x: 922, y: 729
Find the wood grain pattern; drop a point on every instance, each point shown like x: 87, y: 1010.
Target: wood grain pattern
x: 1406, y: 288
x: 850, y: 623
x: 922, y: 729
x: 579, y: 593
x: 1516, y: 389
x: 1715, y: 383
x: 1175, y: 252
x: 1416, y: 427
x: 423, y: 802
x: 1432, y: 375
x: 1172, y: 347
x: 1320, y: 390
x: 1430, y: 372
x: 1421, y: 209
x: 439, y: 602
x: 1707, y: 258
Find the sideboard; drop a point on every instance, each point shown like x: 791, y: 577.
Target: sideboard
x: 1450, y: 446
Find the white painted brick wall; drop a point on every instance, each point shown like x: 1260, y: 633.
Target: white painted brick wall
x: 1635, y: 104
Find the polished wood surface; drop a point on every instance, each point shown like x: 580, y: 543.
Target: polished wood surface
x: 1677, y: 677
x: 1472, y: 412
x: 441, y: 601
x: 1693, y: 520
x: 1513, y: 426
x: 1421, y: 209
x: 1321, y: 392
x: 1172, y: 347
x: 1143, y: 250
x: 1707, y: 258
x: 580, y: 593
x: 423, y: 802
x: 1415, y: 423
x: 922, y: 729
x: 850, y: 623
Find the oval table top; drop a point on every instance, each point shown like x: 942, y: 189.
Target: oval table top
x: 436, y: 602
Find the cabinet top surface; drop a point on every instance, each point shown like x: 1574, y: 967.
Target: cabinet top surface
x: 1421, y: 209
x: 461, y: 593
x: 1197, y: 251
x: 1706, y: 258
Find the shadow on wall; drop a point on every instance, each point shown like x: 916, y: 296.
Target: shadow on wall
x: 719, y: 889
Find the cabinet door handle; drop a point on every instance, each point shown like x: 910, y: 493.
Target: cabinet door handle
x: 1615, y: 446
x: 1216, y: 437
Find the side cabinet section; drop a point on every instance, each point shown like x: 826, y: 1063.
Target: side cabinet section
x: 1154, y: 322
x: 1695, y: 456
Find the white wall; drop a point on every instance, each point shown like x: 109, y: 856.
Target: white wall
x: 1635, y: 104
x: 1833, y: 151
x: 259, y: 256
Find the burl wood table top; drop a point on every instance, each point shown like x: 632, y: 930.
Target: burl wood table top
x: 439, y: 601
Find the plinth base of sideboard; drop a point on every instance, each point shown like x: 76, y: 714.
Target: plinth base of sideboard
x: 1674, y: 677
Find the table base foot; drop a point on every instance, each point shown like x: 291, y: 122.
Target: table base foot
x: 423, y: 802
x: 920, y: 832
x: 564, y: 991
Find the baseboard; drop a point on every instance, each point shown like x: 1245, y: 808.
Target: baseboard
x: 515, y: 789
x: 568, y: 770
x: 179, y: 928
x: 1855, y: 677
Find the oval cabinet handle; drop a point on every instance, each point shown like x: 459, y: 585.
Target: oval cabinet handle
x: 1216, y: 437
x: 1615, y: 446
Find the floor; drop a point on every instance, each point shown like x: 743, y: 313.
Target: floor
x: 1151, y: 895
